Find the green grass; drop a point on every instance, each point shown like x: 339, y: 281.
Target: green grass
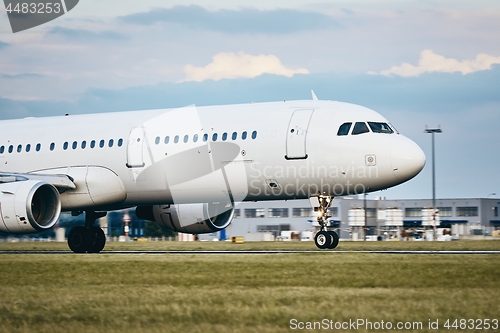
x: 462, y: 245
x: 240, y: 293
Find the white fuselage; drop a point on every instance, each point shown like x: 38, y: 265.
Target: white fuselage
x: 291, y: 150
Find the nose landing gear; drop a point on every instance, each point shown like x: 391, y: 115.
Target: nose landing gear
x: 324, y: 239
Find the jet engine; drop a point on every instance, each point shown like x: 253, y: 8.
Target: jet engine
x: 28, y: 206
x: 189, y: 218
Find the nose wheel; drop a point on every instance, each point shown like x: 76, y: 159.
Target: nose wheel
x: 325, y: 239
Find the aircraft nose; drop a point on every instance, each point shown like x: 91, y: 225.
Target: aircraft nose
x: 407, y: 159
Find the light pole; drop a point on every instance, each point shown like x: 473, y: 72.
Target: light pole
x: 433, y: 131
x: 126, y: 220
x: 366, y: 217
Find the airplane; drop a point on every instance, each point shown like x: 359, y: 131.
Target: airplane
x: 186, y: 168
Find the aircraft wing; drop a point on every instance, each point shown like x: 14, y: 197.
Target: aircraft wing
x: 61, y: 182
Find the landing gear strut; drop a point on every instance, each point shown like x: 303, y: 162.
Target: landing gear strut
x: 90, y: 238
x: 324, y: 239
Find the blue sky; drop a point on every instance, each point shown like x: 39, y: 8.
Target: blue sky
x: 415, y: 62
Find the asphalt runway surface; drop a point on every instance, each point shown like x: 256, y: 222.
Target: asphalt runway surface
x: 259, y: 252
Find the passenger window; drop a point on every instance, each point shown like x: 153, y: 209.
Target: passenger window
x: 2, y: 149
x: 92, y: 144
x: 214, y: 137
x: 111, y: 143
x: 11, y: 148
x: 195, y: 138
x: 235, y: 136
x: 19, y: 148
x: 167, y: 139
x: 38, y: 147
x: 75, y: 144
x: 186, y: 138
x: 244, y: 135
x: 360, y: 128
x: 254, y: 135
x: 344, y: 129
x: 205, y: 137
x: 101, y: 143
x: 84, y: 144
x: 120, y: 142
x: 224, y: 136
x: 157, y: 140
x: 53, y: 145
x: 65, y: 146
x: 176, y: 139
x: 380, y: 128
x: 28, y: 148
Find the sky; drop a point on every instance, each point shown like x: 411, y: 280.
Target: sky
x: 418, y: 63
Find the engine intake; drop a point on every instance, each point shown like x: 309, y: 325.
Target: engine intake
x: 189, y: 218
x: 28, y: 206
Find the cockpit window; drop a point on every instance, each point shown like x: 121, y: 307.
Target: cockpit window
x: 360, y: 128
x: 394, y: 128
x: 344, y: 129
x: 380, y: 128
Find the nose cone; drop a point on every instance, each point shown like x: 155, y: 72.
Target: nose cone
x: 407, y: 159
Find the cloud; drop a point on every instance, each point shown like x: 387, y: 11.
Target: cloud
x: 21, y: 76
x: 430, y: 62
x: 3, y: 45
x: 247, y: 20
x: 87, y: 35
x: 241, y: 65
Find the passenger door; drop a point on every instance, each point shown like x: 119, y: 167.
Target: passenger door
x: 134, y: 148
x: 297, y: 134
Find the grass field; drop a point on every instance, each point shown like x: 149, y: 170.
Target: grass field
x: 243, y: 293
x: 466, y: 245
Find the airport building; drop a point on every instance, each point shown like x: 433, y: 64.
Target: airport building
x: 354, y: 218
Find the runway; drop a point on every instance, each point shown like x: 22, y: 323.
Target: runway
x: 249, y: 252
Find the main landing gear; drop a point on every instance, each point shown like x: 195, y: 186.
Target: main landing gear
x: 89, y: 238
x: 324, y: 239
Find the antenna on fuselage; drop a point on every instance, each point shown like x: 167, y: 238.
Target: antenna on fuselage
x: 314, y: 97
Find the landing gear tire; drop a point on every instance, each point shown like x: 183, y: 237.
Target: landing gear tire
x: 79, y: 239
x: 323, y: 239
x: 97, y: 240
x: 335, y: 239
x: 89, y: 238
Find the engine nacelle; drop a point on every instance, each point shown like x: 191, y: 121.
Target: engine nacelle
x: 189, y: 218
x: 28, y: 206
